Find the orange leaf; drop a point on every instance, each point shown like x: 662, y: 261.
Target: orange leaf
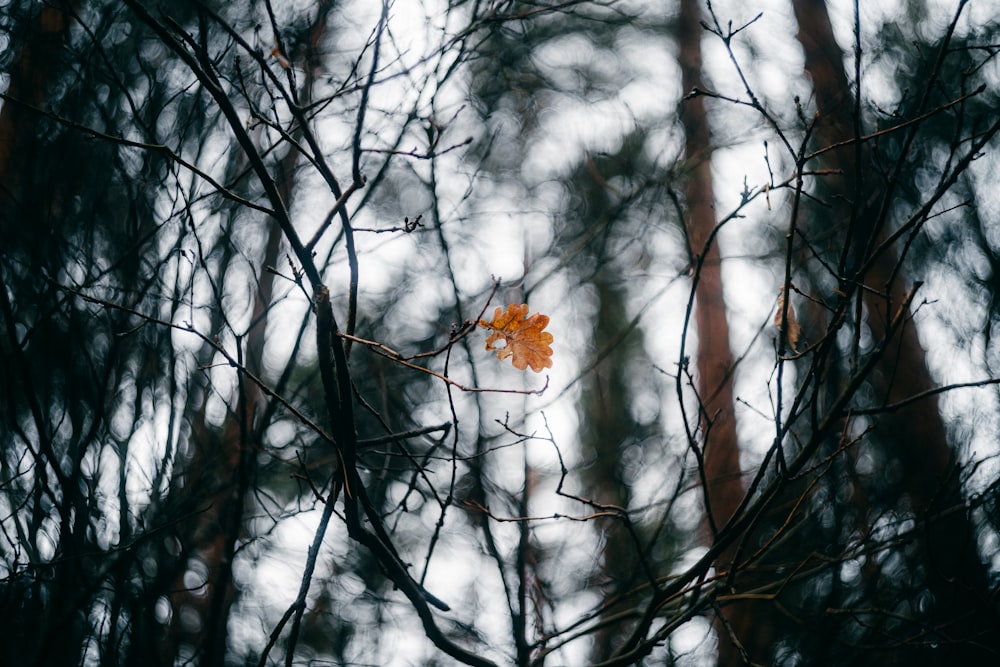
x: 523, y: 337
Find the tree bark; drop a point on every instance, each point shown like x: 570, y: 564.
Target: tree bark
x: 221, y: 524
x: 32, y: 72
x: 714, y: 362
x: 915, y: 435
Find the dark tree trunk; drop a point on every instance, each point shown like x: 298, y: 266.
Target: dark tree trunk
x: 962, y: 622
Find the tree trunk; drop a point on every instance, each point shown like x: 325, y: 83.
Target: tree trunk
x: 714, y: 361
x: 33, y: 70
x: 915, y: 435
x: 221, y: 524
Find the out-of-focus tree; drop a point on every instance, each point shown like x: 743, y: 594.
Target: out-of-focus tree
x: 924, y: 594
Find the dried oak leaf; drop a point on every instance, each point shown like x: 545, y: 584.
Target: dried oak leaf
x: 792, y: 329
x: 523, y: 337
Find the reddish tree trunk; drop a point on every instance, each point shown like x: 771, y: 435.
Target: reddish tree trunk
x: 915, y: 435
x: 714, y: 361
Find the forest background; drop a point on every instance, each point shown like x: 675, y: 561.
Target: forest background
x: 252, y: 254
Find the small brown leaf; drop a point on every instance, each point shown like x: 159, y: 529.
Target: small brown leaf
x: 280, y: 57
x: 523, y: 337
x: 792, y: 329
